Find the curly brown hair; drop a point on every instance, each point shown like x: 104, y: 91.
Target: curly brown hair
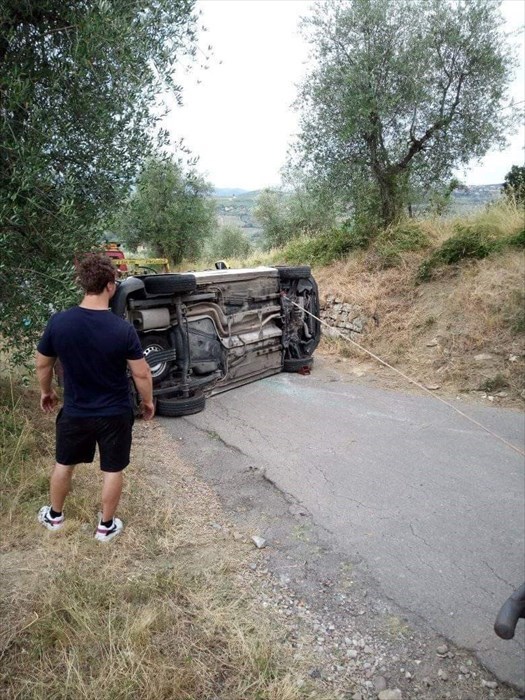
x: 95, y: 271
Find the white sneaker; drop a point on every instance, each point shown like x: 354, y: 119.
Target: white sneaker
x: 47, y: 521
x: 104, y: 534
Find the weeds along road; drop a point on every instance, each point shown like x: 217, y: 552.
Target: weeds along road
x: 433, y: 504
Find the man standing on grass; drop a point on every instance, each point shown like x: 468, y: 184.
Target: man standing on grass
x: 95, y: 348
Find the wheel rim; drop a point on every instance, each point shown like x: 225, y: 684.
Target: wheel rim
x: 158, y: 369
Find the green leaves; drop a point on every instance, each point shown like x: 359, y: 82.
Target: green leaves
x: 170, y: 211
x: 309, y: 209
x: 230, y: 242
x: 78, y: 116
x: 401, y: 93
x: 514, y: 185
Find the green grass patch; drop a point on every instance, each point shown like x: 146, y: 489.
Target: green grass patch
x: 404, y: 237
x: 470, y: 242
x: 496, y: 228
x: 517, y: 240
x: 496, y: 383
x: 322, y: 249
x: 26, y: 447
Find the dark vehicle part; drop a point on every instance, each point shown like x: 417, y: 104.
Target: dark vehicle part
x: 511, y: 611
x: 211, y: 331
x: 294, y: 273
x: 129, y: 288
x: 175, y: 407
x: 292, y: 365
x: 158, y: 355
x: 169, y: 284
x: 301, y: 329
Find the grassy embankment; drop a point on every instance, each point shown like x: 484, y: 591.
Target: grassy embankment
x: 443, y: 292
x: 160, y: 613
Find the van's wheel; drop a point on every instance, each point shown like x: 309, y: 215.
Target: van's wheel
x: 170, y: 284
x: 152, y: 344
x: 181, y: 406
x: 294, y: 273
x: 297, y: 364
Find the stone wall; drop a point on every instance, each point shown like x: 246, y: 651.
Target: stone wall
x: 347, y: 318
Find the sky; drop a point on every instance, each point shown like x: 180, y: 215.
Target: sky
x: 237, y: 114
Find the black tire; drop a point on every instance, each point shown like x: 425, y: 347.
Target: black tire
x: 297, y: 364
x: 152, y: 343
x: 180, y: 406
x: 170, y: 284
x: 294, y: 273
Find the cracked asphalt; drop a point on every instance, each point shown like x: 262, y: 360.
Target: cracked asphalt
x: 431, y: 504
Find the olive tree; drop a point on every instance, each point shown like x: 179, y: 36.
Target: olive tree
x: 514, y: 184
x: 230, y: 241
x: 307, y: 207
x: 271, y: 212
x: 170, y: 211
x: 78, y: 112
x: 401, y: 94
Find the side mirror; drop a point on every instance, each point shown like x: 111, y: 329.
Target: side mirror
x: 221, y: 265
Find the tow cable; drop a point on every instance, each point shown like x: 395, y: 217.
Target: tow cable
x: 409, y: 379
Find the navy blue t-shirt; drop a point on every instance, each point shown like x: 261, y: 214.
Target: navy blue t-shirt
x: 93, y: 347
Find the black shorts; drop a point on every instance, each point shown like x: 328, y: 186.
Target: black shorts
x: 76, y: 440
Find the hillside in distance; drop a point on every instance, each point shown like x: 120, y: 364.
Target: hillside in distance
x: 236, y: 209
x: 235, y: 206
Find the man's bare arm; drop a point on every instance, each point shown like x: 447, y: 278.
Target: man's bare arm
x: 141, y: 374
x: 44, y: 373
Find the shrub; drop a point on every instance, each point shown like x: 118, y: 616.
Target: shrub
x: 470, y: 242
x: 322, y: 249
x: 494, y: 383
x: 400, y: 238
x: 514, y: 185
x: 230, y: 242
x: 517, y: 240
x: 407, y: 235
x: 467, y: 243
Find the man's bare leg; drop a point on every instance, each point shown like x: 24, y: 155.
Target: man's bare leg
x: 60, y: 485
x: 111, y: 491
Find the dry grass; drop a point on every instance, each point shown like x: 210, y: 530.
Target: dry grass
x: 477, y: 309
x: 160, y: 613
x: 435, y: 331
x: 502, y: 219
x: 473, y: 307
x: 173, y: 634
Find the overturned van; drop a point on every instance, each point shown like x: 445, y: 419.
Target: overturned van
x: 207, y: 332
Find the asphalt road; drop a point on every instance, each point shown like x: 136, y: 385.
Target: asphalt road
x: 433, y: 504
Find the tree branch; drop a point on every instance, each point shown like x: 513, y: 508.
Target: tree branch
x: 417, y: 145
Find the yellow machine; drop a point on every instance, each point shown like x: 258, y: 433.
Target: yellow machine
x: 134, y: 266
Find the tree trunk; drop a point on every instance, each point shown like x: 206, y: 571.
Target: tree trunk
x: 390, y: 198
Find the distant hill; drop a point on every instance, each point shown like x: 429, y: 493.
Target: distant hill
x: 227, y: 191
x: 235, y: 205
x: 474, y: 196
